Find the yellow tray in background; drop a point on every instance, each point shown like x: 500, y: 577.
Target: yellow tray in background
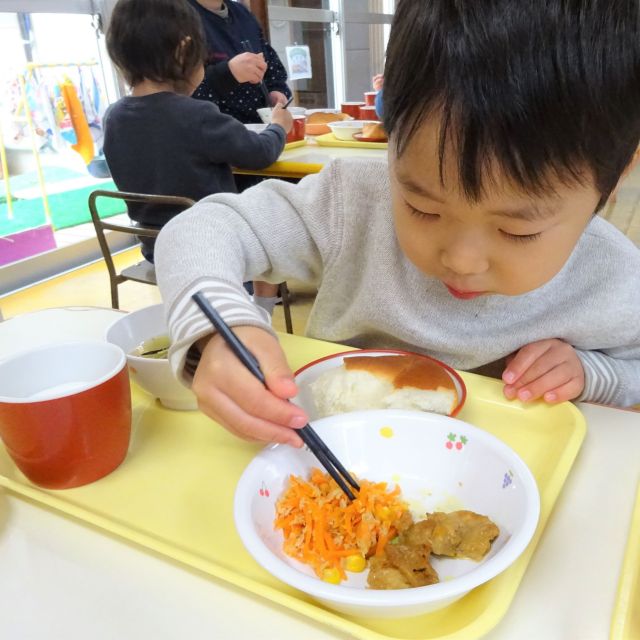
x: 294, y: 145
x: 625, y: 623
x: 329, y: 140
x: 174, y: 494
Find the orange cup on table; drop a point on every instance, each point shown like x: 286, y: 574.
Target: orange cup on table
x: 352, y: 109
x: 65, y: 412
x: 298, y: 129
x: 370, y: 98
x: 368, y: 112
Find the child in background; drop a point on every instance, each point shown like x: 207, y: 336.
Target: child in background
x: 159, y: 140
x: 378, y: 83
x: 476, y: 244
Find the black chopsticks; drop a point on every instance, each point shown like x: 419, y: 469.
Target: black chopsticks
x: 246, y: 45
x: 319, y: 449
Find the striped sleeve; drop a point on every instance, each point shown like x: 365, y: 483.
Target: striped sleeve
x: 187, y: 324
x: 609, y: 380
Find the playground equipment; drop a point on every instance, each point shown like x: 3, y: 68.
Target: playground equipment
x: 56, y: 112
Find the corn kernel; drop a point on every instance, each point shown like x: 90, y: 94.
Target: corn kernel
x: 383, y: 513
x: 332, y: 575
x: 355, y: 563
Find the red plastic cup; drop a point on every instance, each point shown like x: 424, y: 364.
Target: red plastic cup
x: 368, y: 113
x: 65, y: 412
x: 370, y: 98
x: 297, y: 130
x: 352, y: 109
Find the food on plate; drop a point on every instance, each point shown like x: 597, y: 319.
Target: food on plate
x: 323, y: 529
x: 458, y: 534
x: 156, y: 348
x: 321, y: 117
x: 402, y: 566
x: 374, y: 130
x: 326, y: 531
x: 405, y: 562
x: 385, y: 382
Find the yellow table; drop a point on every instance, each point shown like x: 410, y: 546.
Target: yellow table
x: 302, y: 161
x: 63, y: 579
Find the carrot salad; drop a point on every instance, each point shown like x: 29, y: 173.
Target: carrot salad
x: 323, y: 529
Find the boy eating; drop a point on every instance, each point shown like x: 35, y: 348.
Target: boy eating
x: 510, y: 123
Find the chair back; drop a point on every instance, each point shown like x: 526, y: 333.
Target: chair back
x: 145, y: 274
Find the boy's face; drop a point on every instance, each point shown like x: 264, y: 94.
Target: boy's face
x: 509, y: 242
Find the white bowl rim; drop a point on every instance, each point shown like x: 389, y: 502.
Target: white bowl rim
x: 391, y: 598
x: 351, y: 124
x: 123, y: 319
x: 324, y: 110
x: 86, y: 386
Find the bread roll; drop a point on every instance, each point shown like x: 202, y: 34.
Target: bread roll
x: 320, y: 117
x: 385, y: 382
x: 374, y: 130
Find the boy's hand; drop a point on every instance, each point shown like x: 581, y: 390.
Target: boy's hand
x: 248, y: 67
x: 377, y: 81
x: 282, y: 117
x: 548, y: 369
x: 229, y: 394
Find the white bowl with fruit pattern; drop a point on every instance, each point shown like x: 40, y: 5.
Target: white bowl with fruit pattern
x: 440, y: 463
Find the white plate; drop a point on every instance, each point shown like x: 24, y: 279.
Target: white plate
x: 412, y: 449
x: 310, y: 372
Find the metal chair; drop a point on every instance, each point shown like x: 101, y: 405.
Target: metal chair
x: 143, y: 271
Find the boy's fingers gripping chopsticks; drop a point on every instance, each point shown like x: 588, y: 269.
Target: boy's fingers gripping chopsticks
x: 222, y: 379
x: 226, y: 412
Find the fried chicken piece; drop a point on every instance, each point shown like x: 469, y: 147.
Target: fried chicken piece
x: 401, y: 567
x: 459, y: 534
x: 403, y: 522
x: 383, y: 575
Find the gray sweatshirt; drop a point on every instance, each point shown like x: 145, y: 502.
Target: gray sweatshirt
x: 335, y: 230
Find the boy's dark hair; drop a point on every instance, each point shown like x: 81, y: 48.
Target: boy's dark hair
x: 538, y: 88
x: 147, y: 39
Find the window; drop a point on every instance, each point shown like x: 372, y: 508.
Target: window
x: 50, y: 162
x: 347, y: 40
x: 311, y: 23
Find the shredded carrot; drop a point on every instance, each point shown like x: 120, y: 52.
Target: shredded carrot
x: 321, y: 527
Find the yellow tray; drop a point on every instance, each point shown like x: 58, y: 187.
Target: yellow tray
x: 329, y: 140
x: 294, y: 145
x: 174, y: 495
x: 625, y: 623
